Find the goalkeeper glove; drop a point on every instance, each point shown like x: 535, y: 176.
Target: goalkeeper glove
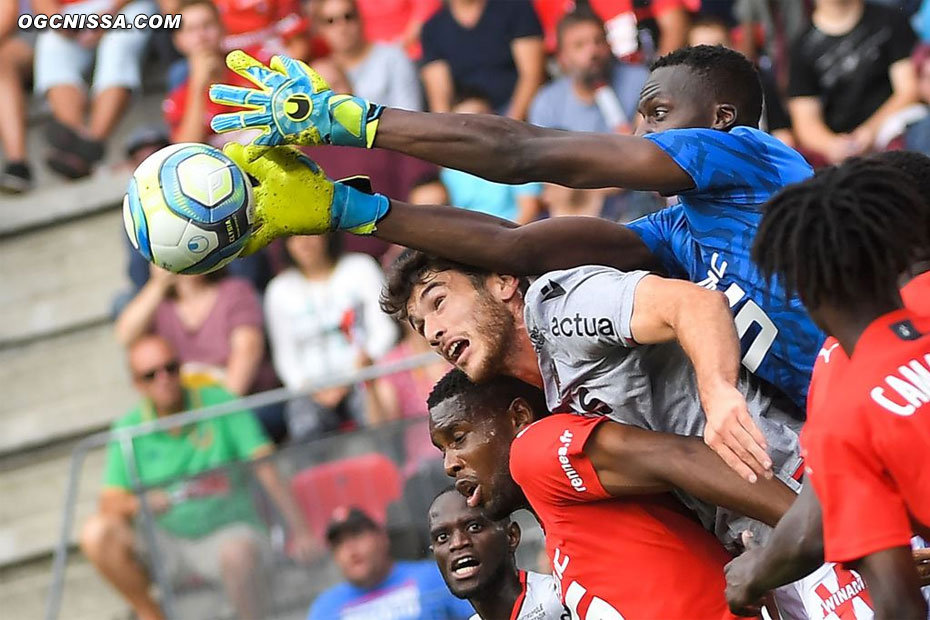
x: 293, y: 196
x: 292, y: 104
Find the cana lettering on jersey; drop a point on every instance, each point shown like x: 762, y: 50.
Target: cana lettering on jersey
x: 904, y: 392
x: 574, y: 478
x: 582, y: 326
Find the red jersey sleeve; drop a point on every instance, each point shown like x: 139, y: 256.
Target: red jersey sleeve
x: 863, y: 512
x: 547, y: 460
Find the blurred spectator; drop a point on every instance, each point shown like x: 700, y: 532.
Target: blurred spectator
x: 187, y: 107
x: 550, y: 13
x: 640, y: 30
x: 775, y: 118
x: 595, y: 93
x: 324, y: 319
x: 493, y: 45
x: 378, y: 72
x: 258, y: 26
x: 397, y: 21
x: 61, y: 58
x: 917, y: 134
x: 517, y: 203
x: 207, y: 526
x: 426, y: 190
x: 15, y: 69
x: 779, y: 22
x: 214, y: 322
x: 850, y: 73
x: 375, y: 585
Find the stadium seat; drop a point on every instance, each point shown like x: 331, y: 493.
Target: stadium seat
x: 369, y: 482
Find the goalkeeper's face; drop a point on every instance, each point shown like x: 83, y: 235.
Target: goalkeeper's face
x: 471, y: 323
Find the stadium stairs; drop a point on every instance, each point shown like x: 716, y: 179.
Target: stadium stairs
x: 62, y: 374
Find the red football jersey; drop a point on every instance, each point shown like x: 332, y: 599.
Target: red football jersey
x: 867, y: 438
x: 638, y: 557
x: 831, y: 361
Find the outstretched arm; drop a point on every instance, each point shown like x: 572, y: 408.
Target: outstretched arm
x: 509, y: 151
x: 500, y: 245
x: 794, y: 550
x: 633, y: 461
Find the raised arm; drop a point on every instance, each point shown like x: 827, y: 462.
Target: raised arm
x: 632, y: 461
x: 509, y: 151
x: 700, y: 320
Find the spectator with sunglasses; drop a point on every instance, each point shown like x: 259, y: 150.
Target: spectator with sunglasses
x: 206, y: 524
x: 377, y: 71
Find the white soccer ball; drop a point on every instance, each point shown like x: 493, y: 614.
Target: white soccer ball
x: 189, y: 208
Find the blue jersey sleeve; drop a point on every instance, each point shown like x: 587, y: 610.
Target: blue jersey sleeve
x: 665, y: 234
x: 740, y: 167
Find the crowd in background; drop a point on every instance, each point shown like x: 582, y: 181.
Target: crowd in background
x: 841, y: 78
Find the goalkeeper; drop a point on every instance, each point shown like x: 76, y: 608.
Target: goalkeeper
x: 700, y: 106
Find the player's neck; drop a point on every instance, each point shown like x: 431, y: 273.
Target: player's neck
x: 847, y: 325
x: 522, y: 362
x: 499, y: 597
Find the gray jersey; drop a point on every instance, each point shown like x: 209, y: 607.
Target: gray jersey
x: 579, y: 323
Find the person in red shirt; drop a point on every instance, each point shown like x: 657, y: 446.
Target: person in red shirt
x: 795, y: 548
x: 641, y: 31
x: 867, y: 439
x: 200, y: 39
x: 620, y: 545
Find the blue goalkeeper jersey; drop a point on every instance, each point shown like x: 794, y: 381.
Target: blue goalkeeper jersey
x: 707, y: 238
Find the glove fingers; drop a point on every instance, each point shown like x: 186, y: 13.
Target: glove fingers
x: 252, y: 70
x: 297, y: 69
x: 232, y: 121
x: 245, y: 157
x: 227, y: 94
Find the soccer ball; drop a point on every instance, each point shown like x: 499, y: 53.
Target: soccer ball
x: 188, y: 209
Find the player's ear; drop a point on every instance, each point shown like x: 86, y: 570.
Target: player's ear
x: 505, y: 287
x: 521, y: 413
x: 724, y: 116
x: 513, y: 536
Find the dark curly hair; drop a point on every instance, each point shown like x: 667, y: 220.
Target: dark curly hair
x: 490, y: 396
x: 729, y: 75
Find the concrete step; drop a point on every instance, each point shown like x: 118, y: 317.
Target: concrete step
x: 59, y: 278
x: 34, y: 488
x: 55, y: 199
x: 61, y: 386
x: 24, y: 589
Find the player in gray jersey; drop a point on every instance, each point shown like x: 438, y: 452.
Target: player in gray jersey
x: 600, y: 342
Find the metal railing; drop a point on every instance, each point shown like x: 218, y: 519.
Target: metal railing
x: 125, y: 438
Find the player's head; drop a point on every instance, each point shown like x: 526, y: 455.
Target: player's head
x: 702, y: 86
x: 201, y: 28
x: 468, y: 315
x: 473, y: 426
x: 583, y: 51
x: 841, y: 239
x: 473, y: 552
x: 155, y: 370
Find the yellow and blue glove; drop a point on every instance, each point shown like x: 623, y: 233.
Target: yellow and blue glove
x: 292, y: 104
x: 293, y: 196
